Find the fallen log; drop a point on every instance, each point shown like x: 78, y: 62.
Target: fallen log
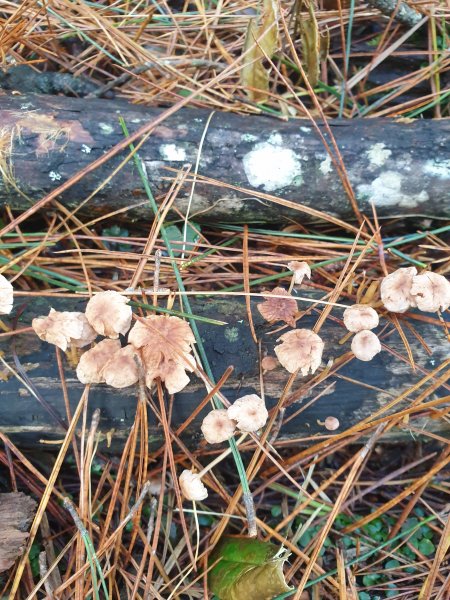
x: 351, y: 393
x: 400, y: 167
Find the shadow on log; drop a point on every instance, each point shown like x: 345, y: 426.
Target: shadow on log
x: 402, y: 167
x: 352, y: 393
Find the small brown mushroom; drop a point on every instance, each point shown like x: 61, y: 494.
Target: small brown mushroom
x: 109, y: 314
x: 359, y: 317
x: 121, y: 370
x: 395, y: 290
x: 278, y: 309
x: 92, y: 363
x: 192, y: 486
x: 431, y: 292
x: 64, y: 329
x: 269, y: 363
x: 165, y: 344
x: 6, y: 296
x: 365, y: 345
x: 300, y: 269
x: 249, y: 412
x: 331, y: 423
x: 217, y: 426
x: 300, y: 349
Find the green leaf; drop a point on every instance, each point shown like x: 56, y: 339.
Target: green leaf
x: 247, y: 568
x: 175, y: 235
x: 426, y: 547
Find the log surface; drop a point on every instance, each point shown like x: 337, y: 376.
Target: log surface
x: 402, y: 167
x: 16, y: 512
x: 359, y: 389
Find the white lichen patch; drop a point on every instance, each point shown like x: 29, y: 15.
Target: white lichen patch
x: 438, y: 168
x: 378, y: 154
x: 54, y: 176
x: 305, y: 129
x: 248, y: 137
x: 325, y: 166
x: 172, y: 153
x: 386, y: 190
x: 106, y: 128
x: 86, y: 149
x: 271, y: 166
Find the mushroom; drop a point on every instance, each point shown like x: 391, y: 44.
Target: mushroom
x: 431, y: 292
x: 269, y: 363
x: 64, y: 329
x: 331, y: 423
x: 300, y: 349
x: 279, y: 309
x: 217, y: 426
x: 164, y: 343
x: 300, y: 270
x: 121, y: 370
x: 109, y: 314
x: 192, y: 486
x: 6, y: 296
x: 92, y: 363
x: 359, y: 317
x: 249, y: 412
x: 365, y: 345
x: 395, y: 290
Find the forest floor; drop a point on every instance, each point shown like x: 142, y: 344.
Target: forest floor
x: 359, y: 516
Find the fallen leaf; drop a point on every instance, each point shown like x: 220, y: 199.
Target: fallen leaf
x: 247, y: 568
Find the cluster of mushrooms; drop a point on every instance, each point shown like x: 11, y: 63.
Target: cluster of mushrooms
x: 301, y: 349
x: 159, y: 346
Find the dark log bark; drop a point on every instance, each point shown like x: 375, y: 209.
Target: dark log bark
x: 16, y: 512
x: 351, y: 399
x: 402, y: 167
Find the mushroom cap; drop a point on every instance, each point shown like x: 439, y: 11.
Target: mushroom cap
x: 249, y: 412
x: 92, y: 363
x: 192, y: 486
x: 64, y: 329
x: 88, y: 334
x: 109, y: 314
x: 431, y: 292
x: 6, y: 296
x: 301, y: 269
x: 269, y: 363
x: 331, y: 423
x: 359, y: 317
x: 278, y: 309
x: 121, y: 370
x: 165, y: 348
x: 217, y: 426
x: 395, y: 290
x: 365, y: 345
x: 300, y: 349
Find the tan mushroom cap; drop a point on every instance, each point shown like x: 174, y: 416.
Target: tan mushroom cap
x: 6, y: 296
x: 395, y: 290
x: 301, y: 269
x: 121, y: 370
x: 109, y: 314
x: 359, y: 317
x: 269, y: 363
x: 92, y: 363
x: 431, y: 292
x: 300, y: 349
x: 249, y: 412
x: 366, y: 345
x: 64, y: 329
x: 165, y: 345
x: 331, y: 423
x: 192, y: 486
x: 217, y: 426
x: 278, y: 309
